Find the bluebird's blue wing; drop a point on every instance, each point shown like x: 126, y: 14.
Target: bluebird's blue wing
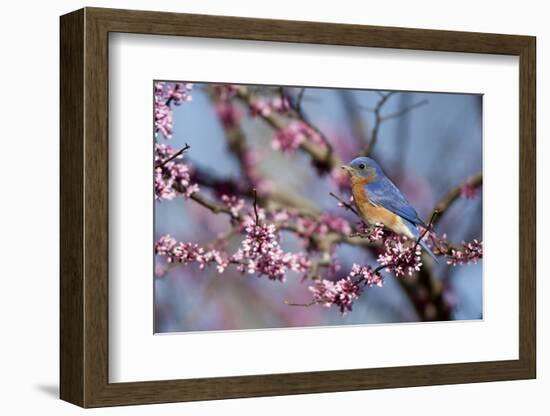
x: 382, y: 192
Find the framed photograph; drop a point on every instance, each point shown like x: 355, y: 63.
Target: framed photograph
x: 260, y: 207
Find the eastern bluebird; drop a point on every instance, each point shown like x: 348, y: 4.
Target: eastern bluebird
x: 379, y: 201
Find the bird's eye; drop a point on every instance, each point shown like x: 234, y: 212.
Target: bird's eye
x: 361, y: 166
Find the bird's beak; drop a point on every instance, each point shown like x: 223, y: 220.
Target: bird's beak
x: 348, y: 169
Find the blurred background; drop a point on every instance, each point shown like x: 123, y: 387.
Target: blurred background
x: 428, y: 144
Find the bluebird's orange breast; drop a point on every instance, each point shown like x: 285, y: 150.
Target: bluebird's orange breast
x: 373, y: 213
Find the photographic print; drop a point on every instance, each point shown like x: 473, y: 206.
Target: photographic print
x: 297, y: 206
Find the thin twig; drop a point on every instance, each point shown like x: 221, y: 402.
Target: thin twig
x: 346, y: 205
x: 299, y: 99
x: 403, y: 111
x: 305, y: 305
x: 359, y: 124
x: 377, y: 122
x: 379, y: 118
x: 175, y: 155
x: 422, y: 235
x: 426, y: 229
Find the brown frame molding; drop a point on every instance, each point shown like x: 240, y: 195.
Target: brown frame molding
x: 84, y: 207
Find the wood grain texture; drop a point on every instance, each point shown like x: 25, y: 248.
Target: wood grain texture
x: 84, y: 207
x: 527, y: 208
x: 71, y: 217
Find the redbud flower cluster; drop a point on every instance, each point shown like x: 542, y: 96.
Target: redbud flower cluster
x: 470, y: 252
x: 172, y: 177
x: 165, y: 94
x: 289, y: 138
x: 260, y: 252
x: 399, y: 257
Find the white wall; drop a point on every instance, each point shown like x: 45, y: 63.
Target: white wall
x: 29, y: 210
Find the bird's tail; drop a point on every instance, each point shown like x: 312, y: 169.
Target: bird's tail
x: 414, y: 230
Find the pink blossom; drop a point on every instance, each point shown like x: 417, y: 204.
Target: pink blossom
x: 300, y: 263
x: 229, y: 114
x: 469, y: 190
x: 186, y: 253
x: 367, y: 274
x: 163, y: 118
x: 324, y: 292
x: 340, y: 179
x: 438, y: 242
x: 348, y: 291
x: 341, y: 293
x: 166, y: 93
x: 264, y: 107
x: 371, y: 233
x: 308, y: 226
x: 399, y: 257
x: 252, y: 217
x: 261, y: 253
x: 282, y: 216
x: 226, y: 91
x: 178, y: 92
x: 289, y: 138
x: 346, y: 206
x: 164, y: 245
x: 177, y: 252
x: 260, y: 107
x: 171, y: 178
x: 345, y: 291
x: 217, y: 257
x: 335, y: 223
x: 234, y: 204
x: 470, y: 252
x: 280, y: 104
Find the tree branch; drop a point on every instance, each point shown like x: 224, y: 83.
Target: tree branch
x: 443, y: 205
x: 323, y: 156
x: 379, y: 119
x: 175, y: 155
x: 276, y: 198
x: 299, y: 114
x: 210, y: 204
x: 403, y: 111
x: 358, y: 123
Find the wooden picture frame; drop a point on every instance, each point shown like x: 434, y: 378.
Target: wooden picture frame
x: 84, y: 207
